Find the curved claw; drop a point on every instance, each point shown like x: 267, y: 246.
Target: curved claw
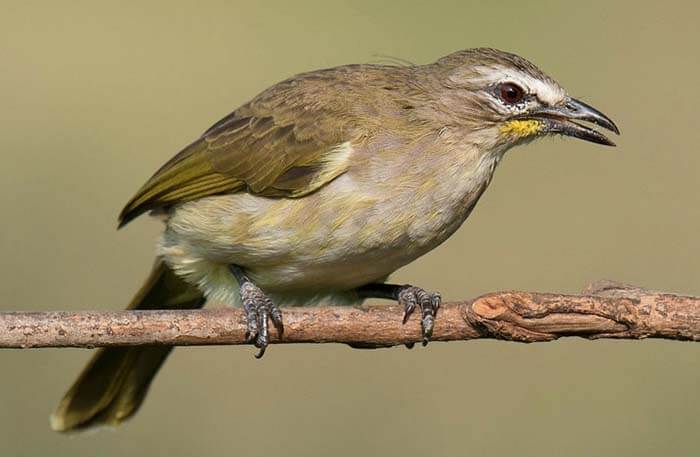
x: 276, y: 317
x: 408, y: 299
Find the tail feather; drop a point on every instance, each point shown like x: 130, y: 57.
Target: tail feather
x: 115, y: 382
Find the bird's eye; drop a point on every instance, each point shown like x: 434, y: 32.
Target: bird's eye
x: 510, y: 93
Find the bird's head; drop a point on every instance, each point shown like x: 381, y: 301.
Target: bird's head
x: 506, y: 100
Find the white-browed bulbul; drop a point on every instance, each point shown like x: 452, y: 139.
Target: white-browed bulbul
x: 318, y: 189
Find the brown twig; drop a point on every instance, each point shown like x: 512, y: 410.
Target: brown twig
x: 605, y: 310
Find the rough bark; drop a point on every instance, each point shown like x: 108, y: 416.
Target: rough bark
x: 604, y: 310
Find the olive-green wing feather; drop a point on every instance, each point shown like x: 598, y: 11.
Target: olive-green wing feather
x: 281, y: 144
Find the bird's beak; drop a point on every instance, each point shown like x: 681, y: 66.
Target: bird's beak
x: 561, y: 120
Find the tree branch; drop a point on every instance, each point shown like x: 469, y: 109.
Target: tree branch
x: 605, y: 310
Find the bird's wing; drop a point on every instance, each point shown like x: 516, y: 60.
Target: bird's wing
x: 282, y: 144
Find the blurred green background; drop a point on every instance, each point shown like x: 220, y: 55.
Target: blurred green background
x: 94, y: 97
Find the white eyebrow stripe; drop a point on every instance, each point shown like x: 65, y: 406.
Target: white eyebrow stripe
x: 548, y: 93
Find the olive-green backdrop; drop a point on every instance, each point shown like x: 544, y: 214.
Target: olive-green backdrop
x: 94, y: 97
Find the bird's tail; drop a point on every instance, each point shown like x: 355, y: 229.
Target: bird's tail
x: 113, y: 385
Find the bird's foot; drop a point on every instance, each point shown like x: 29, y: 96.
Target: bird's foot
x: 411, y: 297
x: 259, y: 309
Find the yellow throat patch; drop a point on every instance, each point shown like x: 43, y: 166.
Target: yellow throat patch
x: 522, y: 127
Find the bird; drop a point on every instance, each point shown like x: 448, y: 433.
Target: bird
x: 319, y: 188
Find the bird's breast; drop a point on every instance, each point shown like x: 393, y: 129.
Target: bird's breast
x: 435, y: 206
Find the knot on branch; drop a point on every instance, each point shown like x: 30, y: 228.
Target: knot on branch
x: 606, y: 310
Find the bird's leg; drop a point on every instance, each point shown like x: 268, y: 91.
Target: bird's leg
x: 258, y: 309
x: 410, y: 297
